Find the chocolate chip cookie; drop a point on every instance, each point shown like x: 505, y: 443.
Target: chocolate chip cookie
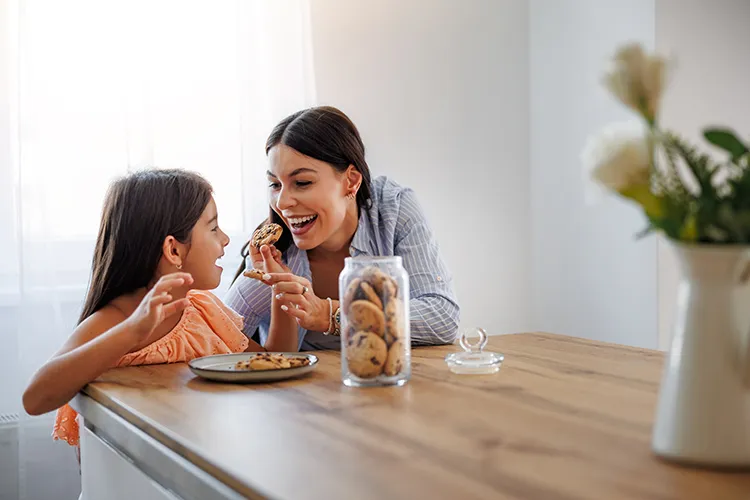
x: 366, y: 353
x: 352, y: 293
x: 368, y: 293
x: 383, y: 284
x: 264, y: 361
x: 393, y: 321
x: 366, y: 316
x: 266, y: 235
x: 255, y: 274
x: 396, y: 359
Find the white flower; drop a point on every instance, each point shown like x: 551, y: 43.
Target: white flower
x: 617, y: 158
x: 637, y: 80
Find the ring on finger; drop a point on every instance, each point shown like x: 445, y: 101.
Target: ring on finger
x: 304, y: 289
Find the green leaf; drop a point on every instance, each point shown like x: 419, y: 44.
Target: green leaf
x: 726, y: 140
x: 689, y: 230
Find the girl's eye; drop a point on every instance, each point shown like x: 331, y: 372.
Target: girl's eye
x: 215, y: 229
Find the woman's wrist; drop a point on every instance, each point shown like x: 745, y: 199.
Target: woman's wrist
x: 332, y: 326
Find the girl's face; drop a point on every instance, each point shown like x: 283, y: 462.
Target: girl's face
x: 207, y: 242
x: 310, y: 196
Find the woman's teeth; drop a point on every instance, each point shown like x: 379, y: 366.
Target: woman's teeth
x: 301, y: 221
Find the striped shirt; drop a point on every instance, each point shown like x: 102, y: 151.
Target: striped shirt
x: 394, y: 225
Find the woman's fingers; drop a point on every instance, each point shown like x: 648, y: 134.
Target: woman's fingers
x: 293, y: 299
x: 294, y: 311
x: 290, y: 287
x: 255, y: 257
x: 273, y: 278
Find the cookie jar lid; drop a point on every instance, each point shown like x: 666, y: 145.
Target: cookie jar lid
x: 474, y: 360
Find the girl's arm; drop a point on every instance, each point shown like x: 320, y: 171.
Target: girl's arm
x: 94, y: 347
x: 98, y: 343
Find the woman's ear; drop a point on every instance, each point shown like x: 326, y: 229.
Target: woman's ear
x: 173, y: 251
x: 353, y: 179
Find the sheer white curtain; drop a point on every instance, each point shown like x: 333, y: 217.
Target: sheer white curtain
x: 93, y: 89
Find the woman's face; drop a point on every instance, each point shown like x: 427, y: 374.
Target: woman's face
x: 310, y: 196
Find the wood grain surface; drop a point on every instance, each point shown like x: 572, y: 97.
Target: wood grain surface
x: 565, y: 418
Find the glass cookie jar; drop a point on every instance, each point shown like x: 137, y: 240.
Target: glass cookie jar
x: 375, y: 336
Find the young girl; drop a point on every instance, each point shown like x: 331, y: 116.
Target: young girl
x: 147, y: 303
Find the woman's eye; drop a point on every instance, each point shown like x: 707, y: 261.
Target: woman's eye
x: 274, y: 185
x: 303, y: 183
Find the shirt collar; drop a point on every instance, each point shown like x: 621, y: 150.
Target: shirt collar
x: 363, y: 241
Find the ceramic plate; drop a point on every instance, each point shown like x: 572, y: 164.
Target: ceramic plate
x: 220, y: 368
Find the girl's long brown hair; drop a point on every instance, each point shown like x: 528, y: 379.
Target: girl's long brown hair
x: 140, y: 211
x: 326, y: 134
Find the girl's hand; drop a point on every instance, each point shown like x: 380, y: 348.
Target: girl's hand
x: 158, y: 305
x: 297, y: 299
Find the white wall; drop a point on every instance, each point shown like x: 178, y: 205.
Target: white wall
x: 439, y: 90
x: 590, y: 277
x: 710, y: 42
x: 9, y: 393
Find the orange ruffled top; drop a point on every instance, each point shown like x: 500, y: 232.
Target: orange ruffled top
x: 206, y: 327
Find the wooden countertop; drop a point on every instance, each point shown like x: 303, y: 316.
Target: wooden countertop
x: 565, y: 418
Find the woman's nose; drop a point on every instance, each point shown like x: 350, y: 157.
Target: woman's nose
x: 285, y: 200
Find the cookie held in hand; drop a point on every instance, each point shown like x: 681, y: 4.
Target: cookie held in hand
x: 266, y: 235
x: 255, y: 274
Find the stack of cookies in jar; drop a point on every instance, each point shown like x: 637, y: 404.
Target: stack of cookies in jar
x: 375, y: 341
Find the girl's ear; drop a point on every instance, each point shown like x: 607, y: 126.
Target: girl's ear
x: 173, y: 251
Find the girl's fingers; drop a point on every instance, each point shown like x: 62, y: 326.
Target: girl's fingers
x: 185, y: 276
x: 161, y: 298
x: 170, y: 281
x: 175, y: 307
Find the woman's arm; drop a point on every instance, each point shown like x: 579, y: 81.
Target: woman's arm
x: 434, y: 310
x: 282, y: 332
x: 248, y: 296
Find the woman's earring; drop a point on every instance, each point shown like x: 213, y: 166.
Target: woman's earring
x: 351, y: 195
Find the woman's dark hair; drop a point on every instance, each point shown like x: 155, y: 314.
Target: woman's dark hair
x: 326, y: 134
x: 140, y: 211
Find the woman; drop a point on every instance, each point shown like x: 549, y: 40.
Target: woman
x: 322, y: 196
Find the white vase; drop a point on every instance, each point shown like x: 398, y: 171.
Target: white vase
x: 703, y: 414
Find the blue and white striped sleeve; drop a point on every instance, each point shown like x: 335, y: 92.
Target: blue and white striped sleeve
x: 434, y: 310
x: 248, y: 297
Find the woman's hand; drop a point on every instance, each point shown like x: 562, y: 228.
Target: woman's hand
x: 297, y: 299
x: 158, y: 305
x: 271, y: 263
